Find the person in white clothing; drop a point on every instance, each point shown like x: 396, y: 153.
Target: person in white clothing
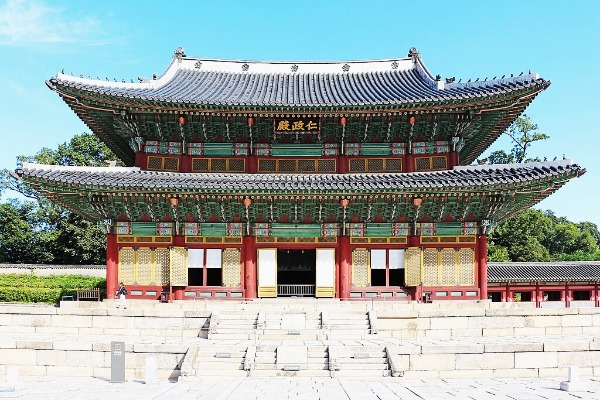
x: 121, y: 293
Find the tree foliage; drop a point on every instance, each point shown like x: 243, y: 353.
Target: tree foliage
x: 541, y: 236
x: 42, y: 232
x: 523, y: 133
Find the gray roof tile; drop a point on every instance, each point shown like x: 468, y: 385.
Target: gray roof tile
x: 576, y: 271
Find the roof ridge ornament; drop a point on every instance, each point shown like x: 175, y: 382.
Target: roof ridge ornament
x: 414, y: 54
x: 179, y: 53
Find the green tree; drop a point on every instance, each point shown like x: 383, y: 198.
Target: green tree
x: 542, y: 236
x: 57, y: 235
x: 523, y: 133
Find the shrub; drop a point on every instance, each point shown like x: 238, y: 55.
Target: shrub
x: 24, y: 288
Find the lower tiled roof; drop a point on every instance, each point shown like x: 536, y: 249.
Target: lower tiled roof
x: 469, y: 178
x: 566, y: 271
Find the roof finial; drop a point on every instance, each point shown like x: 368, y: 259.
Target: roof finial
x: 414, y: 53
x: 179, y: 53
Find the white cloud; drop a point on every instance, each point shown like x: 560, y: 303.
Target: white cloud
x: 24, y: 21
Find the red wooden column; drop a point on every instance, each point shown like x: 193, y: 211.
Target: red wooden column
x: 344, y: 271
x: 251, y: 168
x: 249, y: 268
x: 112, y: 265
x: 483, y: 278
x: 342, y: 164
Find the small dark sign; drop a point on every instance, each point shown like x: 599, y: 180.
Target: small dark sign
x: 287, y: 125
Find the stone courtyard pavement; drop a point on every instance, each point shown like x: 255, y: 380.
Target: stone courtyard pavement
x: 49, y: 388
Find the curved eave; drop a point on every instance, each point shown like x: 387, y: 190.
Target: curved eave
x: 504, y: 190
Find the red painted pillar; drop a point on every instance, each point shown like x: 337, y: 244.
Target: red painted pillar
x: 483, y: 267
x: 568, y: 293
x: 251, y: 168
x: 538, y: 295
x: 342, y: 166
x: 112, y: 265
x: 345, y: 265
x: 249, y: 268
x: 410, y: 163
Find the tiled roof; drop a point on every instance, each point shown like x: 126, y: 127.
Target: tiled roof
x: 300, y: 84
x: 470, y: 177
x: 565, y: 271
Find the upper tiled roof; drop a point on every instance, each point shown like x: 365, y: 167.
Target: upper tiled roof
x: 298, y: 84
x: 470, y: 177
x: 576, y: 271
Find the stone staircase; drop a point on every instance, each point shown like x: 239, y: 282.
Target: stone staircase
x: 359, y: 361
x: 299, y: 337
x: 221, y: 361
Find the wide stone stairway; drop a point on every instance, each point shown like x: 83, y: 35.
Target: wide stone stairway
x: 195, y: 340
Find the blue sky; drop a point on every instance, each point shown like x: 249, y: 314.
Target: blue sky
x: 467, y: 39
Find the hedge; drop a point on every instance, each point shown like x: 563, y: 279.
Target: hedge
x: 25, y: 288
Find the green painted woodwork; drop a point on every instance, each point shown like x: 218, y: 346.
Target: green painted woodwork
x: 378, y: 230
x: 143, y: 228
x: 479, y: 122
x: 300, y: 150
x: 449, y: 229
x: 295, y: 230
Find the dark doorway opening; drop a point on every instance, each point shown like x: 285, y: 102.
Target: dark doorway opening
x: 296, y: 272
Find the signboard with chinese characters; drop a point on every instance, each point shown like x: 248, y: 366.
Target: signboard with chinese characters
x: 296, y: 125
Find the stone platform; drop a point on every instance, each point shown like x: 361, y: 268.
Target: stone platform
x: 303, y: 338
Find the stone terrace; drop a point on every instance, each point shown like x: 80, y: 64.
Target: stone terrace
x: 198, y: 340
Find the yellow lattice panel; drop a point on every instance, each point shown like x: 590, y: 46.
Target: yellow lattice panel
x: 360, y: 268
x: 466, y: 267
x: 447, y: 268
x: 412, y: 266
x: 179, y: 264
x: 325, y: 292
x: 127, y: 265
x: 430, y: 267
x: 162, y: 271
x: 231, y: 267
x: 144, y: 267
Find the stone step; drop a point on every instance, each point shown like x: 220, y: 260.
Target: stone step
x: 363, y: 367
x: 361, y: 373
x: 231, y: 373
x: 209, y: 365
x: 281, y: 373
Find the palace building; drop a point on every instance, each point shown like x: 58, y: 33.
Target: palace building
x: 249, y: 179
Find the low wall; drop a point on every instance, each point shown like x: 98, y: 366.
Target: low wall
x: 47, y: 270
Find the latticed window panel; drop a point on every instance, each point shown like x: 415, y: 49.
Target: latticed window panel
x: 127, y: 265
x: 218, y: 165
x: 393, y: 165
x: 448, y: 267
x: 155, y: 163
x: 412, y: 266
x: 439, y: 163
x: 307, y: 165
x: 326, y: 166
x: 430, y: 267
x: 375, y: 165
x: 267, y: 165
x: 231, y: 267
x: 144, y: 267
x: 287, y: 165
x: 423, y: 164
x: 171, y: 164
x: 236, y: 165
x: 466, y: 267
x: 360, y: 268
x: 200, y: 165
x: 178, y: 267
x: 162, y: 261
x: 357, y: 165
